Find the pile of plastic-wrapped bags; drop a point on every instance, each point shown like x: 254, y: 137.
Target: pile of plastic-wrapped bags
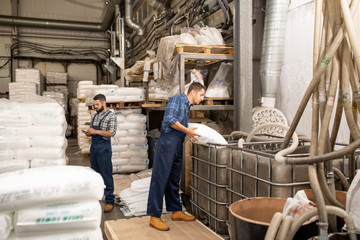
x: 51, y: 203
x: 32, y: 133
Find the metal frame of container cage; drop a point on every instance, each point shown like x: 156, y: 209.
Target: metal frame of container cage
x: 254, y: 148
x: 213, y: 187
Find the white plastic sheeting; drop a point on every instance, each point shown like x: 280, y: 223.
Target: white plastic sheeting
x: 352, y: 200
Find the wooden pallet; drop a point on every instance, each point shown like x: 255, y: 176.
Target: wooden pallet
x: 82, y: 99
x: 138, y: 228
x: 206, y: 101
x: 56, y: 84
x: 155, y: 103
x: 122, y: 105
x: 218, y: 101
x: 204, y: 49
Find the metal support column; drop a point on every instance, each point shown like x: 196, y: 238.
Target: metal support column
x: 243, y: 66
x: 15, y: 38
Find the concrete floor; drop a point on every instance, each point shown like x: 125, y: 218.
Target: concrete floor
x: 78, y: 159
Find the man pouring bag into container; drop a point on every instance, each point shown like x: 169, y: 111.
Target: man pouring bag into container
x: 168, y: 157
x: 103, y: 127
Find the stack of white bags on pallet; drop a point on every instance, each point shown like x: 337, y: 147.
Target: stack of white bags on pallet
x: 51, y: 203
x: 114, y: 93
x: 32, y: 133
x: 19, y: 90
x: 57, y: 96
x: 56, y: 78
x: 84, y: 90
x: 129, y: 145
x: 135, y: 198
x: 30, y: 76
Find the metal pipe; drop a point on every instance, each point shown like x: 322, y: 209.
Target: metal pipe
x: 117, y: 22
x: 62, y: 24
x: 273, y: 49
x: 128, y: 18
x: 243, y: 66
x: 65, y: 37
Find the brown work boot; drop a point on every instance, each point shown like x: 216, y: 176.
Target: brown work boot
x: 108, y: 207
x: 158, y: 224
x: 181, y: 216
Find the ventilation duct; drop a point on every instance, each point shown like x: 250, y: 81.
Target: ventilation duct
x: 128, y: 18
x: 273, y: 49
x: 270, y: 66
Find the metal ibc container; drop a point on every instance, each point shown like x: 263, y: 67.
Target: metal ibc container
x: 209, y: 196
x: 253, y: 172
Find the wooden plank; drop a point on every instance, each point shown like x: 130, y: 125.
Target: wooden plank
x: 204, y: 49
x: 138, y: 228
x: 109, y: 231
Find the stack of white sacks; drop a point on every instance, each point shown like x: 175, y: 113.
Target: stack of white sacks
x: 32, y: 133
x: 30, y: 76
x: 57, y: 96
x: 19, y: 90
x: 134, y: 198
x: 84, y: 90
x: 129, y: 145
x: 60, y: 81
x: 56, y: 77
x: 115, y: 93
x: 59, y: 202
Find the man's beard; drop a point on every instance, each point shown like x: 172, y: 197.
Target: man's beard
x: 100, y: 110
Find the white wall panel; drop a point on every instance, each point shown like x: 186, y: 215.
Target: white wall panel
x: 297, y: 69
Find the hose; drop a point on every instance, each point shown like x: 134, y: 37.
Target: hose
x: 313, y: 212
x: 342, y: 178
x: 274, y: 226
x: 221, y: 4
x: 325, y: 62
x: 326, y: 157
x: 351, y: 31
x: 284, y: 227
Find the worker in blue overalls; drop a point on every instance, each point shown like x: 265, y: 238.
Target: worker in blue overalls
x: 103, y: 127
x: 168, y: 158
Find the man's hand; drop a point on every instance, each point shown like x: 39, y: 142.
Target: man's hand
x: 85, y: 132
x: 191, y: 134
x: 91, y: 131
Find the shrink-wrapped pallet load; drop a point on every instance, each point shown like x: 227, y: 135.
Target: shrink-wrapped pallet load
x: 19, y: 90
x: 129, y: 145
x: 56, y: 78
x: 32, y: 133
x: 30, y: 76
x: 84, y: 91
x: 65, y: 206
x: 60, y: 97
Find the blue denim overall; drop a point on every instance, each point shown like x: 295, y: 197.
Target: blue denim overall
x: 100, y: 160
x: 166, y: 172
